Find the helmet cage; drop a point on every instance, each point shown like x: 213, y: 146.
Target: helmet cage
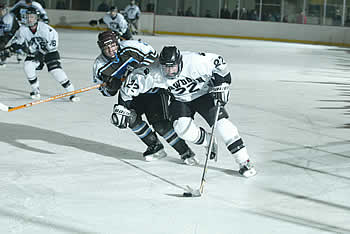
x: 106, y: 39
x: 32, y: 12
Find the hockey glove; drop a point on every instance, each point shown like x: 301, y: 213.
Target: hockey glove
x: 93, y: 22
x: 40, y: 58
x: 120, y: 116
x: 221, y: 93
x: 5, y: 54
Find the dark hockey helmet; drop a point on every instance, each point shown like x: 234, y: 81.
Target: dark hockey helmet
x: 32, y: 15
x: 113, y: 10
x: 29, y: 1
x: 106, y: 38
x: 170, y: 59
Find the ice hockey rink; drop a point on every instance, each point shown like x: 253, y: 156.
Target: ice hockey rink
x: 64, y: 168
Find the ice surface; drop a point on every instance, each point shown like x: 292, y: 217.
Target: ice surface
x: 65, y: 169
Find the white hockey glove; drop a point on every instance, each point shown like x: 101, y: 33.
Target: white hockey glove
x: 221, y: 93
x: 120, y: 116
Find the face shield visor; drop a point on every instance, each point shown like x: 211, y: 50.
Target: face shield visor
x: 110, y: 49
x: 32, y: 19
x: 170, y: 71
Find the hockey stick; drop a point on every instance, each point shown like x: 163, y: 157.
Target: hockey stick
x: 13, y: 108
x: 198, y: 192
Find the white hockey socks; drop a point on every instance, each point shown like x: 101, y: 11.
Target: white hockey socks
x: 228, y: 131
x: 59, y: 75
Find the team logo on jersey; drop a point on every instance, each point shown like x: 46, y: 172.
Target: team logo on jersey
x: 186, y: 84
x: 38, y: 43
x: 114, y: 25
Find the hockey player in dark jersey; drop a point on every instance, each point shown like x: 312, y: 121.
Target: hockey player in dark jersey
x: 110, y: 67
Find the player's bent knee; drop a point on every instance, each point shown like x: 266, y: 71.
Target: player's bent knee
x: 52, y: 60
x: 162, y: 127
x: 186, y: 129
x: 134, y: 120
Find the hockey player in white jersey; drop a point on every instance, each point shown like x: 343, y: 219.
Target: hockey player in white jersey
x: 115, y: 60
x: 8, y: 27
x: 115, y: 22
x: 40, y: 42
x: 132, y: 14
x: 20, y: 10
x: 195, y: 81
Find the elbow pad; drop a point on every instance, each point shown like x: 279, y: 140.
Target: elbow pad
x: 219, y: 79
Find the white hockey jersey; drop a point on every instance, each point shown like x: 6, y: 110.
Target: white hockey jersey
x: 132, y: 12
x: 20, y: 10
x: 44, y: 40
x: 130, y: 53
x: 6, y: 24
x: 118, y: 24
x: 194, y: 80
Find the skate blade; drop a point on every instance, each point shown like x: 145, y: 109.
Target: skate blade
x: 191, y: 192
x: 159, y: 155
x: 250, y: 173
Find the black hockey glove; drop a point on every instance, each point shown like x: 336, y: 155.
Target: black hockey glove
x: 100, y: 21
x: 120, y: 116
x: 93, y: 22
x: 15, y: 47
x: 221, y: 93
x: 5, y: 53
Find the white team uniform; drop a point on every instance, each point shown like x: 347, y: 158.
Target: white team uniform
x: 6, y: 23
x: 44, y: 41
x: 189, y: 89
x: 20, y: 10
x: 132, y: 12
x: 193, y: 81
x: 117, y: 24
x: 142, y: 52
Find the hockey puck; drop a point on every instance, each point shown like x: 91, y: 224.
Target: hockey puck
x: 187, y: 194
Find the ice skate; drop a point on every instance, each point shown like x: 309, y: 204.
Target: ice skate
x: 247, y: 169
x: 74, y: 98
x: 189, y: 158
x: 35, y: 95
x: 154, y: 152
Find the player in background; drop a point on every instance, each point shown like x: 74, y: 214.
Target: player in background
x: 196, y: 81
x: 40, y: 41
x: 115, y: 22
x: 8, y: 27
x: 20, y: 8
x: 110, y: 66
x: 132, y: 14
